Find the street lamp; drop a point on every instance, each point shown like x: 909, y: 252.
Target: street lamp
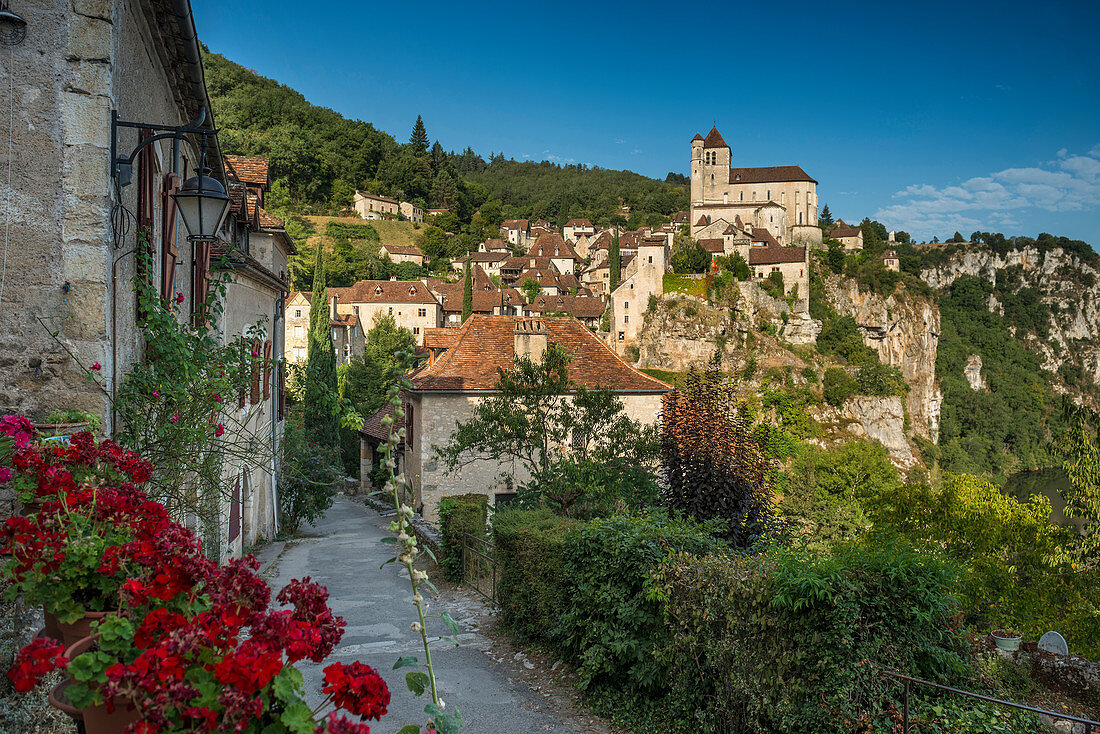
x: 201, y: 200
x: 203, y: 204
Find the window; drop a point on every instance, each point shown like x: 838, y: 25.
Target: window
x: 626, y: 304
x: 334, y: 337
x: 622, y: 336
x: 347, y: 351
x: 297, y: 332
x: 422, y: 312
x: 391, y: 311
x: 769, y: 194
x: 297, y: 313
x: 754, y: 196
x: 742, y: 196
x: 416, y: 330
x: 650, y: 259
x: 299, y: 354
x: 626, y: 318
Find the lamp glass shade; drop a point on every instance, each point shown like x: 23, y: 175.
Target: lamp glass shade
x: 203, y: 204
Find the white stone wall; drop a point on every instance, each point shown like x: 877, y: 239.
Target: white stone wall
x: 629, y: 302
x: 434, y: 418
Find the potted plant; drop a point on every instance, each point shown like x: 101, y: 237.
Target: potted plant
x: 69, y: 423
x: 1006, y: 639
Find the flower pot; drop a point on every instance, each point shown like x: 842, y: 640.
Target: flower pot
x: 73, y: 632
x: 60, y: 701
x: 53, y: 430
x: 97, y: 719
x: 1006, y: 640
x: 52, y: 626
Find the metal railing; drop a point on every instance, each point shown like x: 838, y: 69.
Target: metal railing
x: 1091, y: 727
x: 478, y: 565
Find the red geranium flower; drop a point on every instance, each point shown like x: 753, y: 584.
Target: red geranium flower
x: 357, y: 688
x: 35, y: 660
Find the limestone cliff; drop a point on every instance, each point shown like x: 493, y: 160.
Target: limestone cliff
x: 904, y: 329
x: 1066, y: 283
x: 879, y: 419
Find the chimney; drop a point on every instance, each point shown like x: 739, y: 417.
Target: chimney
x: 332, y: 307
x: 530, y: 338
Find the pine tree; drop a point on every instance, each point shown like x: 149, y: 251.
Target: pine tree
x: 419, y: 138
x: 321, y: 390
x: 614, y: 260
x: 468, y: 291
x: 826, y: 218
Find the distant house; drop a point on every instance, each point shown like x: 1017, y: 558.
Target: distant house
x: 411, y: 212
x: 490, y: 262
x: 459, y: 376
x: 409, y: 302
x: 494, y: 245
x: 348, y: 337
x: 370, y: 206
x: 891, y: 261
x: 516, y: 231
x: 850, y: 237
x: 586, y: 309
x: 574, y: 228
x: 402, y: 253
x: 557, y: 250
x: 488, y: 298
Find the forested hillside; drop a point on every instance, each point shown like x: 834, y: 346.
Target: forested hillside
x: 319, y: 158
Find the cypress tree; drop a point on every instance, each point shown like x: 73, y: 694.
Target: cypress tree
x: 321, y: 388
x: 615, y: 261
x: 826, y: 218
x: 419, y: 138
x: 468, y: 292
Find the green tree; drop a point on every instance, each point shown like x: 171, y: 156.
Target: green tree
x: 371, y: 374
x: 614, y: 261
x: 419, y: 138
x: 826, y: 218
x: 1079, y: 450
x: 576, y: 444
x: 468, y: 291
x: 320, y: 403
x: 530, y: 288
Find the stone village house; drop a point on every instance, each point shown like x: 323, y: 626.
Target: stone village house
x: 462, y: 370
x: 71, y: 220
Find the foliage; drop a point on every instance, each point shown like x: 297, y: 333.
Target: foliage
x: 794, y: 641
x: 837, y: 386
x: 467, y: 291
x: 459, y: 514
x: 840, y: 337
x: 535, y: 414
x: 1079, y: 450
x: 676, y: 283
x: 688, y: 256
x: 608, y: 624
x: 308, y: 477
x: 614, y: 262
x: 320, y: 409
x: 714, y: 465
x: 94, y: 420
x: 530, y: 288
x: 531, y: 581
x: 419, y: 138
x: 880, y: 380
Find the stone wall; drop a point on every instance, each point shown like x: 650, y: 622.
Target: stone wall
x: 904, y: 330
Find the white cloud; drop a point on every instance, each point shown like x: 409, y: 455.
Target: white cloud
x: 1070, y: 183
x: 636, y: 151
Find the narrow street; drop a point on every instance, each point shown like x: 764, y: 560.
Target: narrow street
x: 497, y: 690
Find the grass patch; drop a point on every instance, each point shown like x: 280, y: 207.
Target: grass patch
x: 675, y: 283
x: 390, y: 232
x: 672, y: 378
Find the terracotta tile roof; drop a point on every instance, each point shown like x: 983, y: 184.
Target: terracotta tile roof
x: 236, y: 258
x: 373, y: 426
x: 440, y: 338
x: 485, y: 257
x: 716, y: 245
x: 496, y: 244
x: 385, y: 291
x: 269, y: 222
x: 236, y: 193
x: 249, y: 169
x: 839, y: 232
x: 402, y: 250
x: 520, y: 224
x: 702, y: 221
x: 583, y: 307
x: 578, y: 223
x: 552, y: 245
x: 769, y: 174
x: 775, y: 254
x: 523, y: 261
x: 376, y: 197
x: 486, y: 344
x: 697, y: 137
x: 344, y: 319
x: 762, y: 235
x: 680, y: 218
x: 714, y: 139
x: 890, y: 255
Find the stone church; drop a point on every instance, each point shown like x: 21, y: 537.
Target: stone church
x: 780, y: 199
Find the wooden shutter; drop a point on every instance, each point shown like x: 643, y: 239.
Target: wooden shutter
x: 200, y: 281
x: 146, y: 180
x: 235, y: 511
x: 256, y: 362
x: 267, y: 369
x: 241, y: 394
x: 168, y: 252
x: 282, y: 390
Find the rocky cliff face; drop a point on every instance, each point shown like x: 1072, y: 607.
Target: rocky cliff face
x: 878, y: 419
x: 1066, y: 283
x: 904, y: 329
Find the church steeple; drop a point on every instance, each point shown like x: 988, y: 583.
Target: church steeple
x: 714, y: 139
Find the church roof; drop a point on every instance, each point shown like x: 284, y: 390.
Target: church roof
x: 697, y: 137
x: 714, y: 139
x: 769, y: 174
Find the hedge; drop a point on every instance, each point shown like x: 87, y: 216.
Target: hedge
x: 793, y: 642
x: 464, y: 513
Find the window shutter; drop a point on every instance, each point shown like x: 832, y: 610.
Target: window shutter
x: 267, y: 369
x: 256, y: 362
x: 235, y: 511
x: 200, y: 281
x: 241, y: 394
x: 145, y: 213
x: 168, y: 250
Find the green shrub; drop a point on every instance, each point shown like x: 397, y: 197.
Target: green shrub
x: 464, y: 513
x: 531, y: 579
x: 794, y: 642
x: 880, y: 380
x: 609, y: 626
x: 838, y: 386
x: 840, y: 337
x: 308, y: 473
x: 809, y: 375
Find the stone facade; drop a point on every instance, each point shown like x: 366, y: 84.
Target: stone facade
x: 643, y: 277
x: 370, y: 206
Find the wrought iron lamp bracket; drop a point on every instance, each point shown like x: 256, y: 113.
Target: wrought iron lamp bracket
x: 122, y: 166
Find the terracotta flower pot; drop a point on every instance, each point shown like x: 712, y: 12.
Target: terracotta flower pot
x: 97, y: 720
x: 49, y: 430
x: 52, y: 626
x: 73, y: 632
x: 60, y: 701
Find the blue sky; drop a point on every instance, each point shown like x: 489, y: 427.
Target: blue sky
x: 931, y: 117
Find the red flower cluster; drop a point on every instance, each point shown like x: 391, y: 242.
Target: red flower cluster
x: 35, y: 660
x: 357, y: 688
